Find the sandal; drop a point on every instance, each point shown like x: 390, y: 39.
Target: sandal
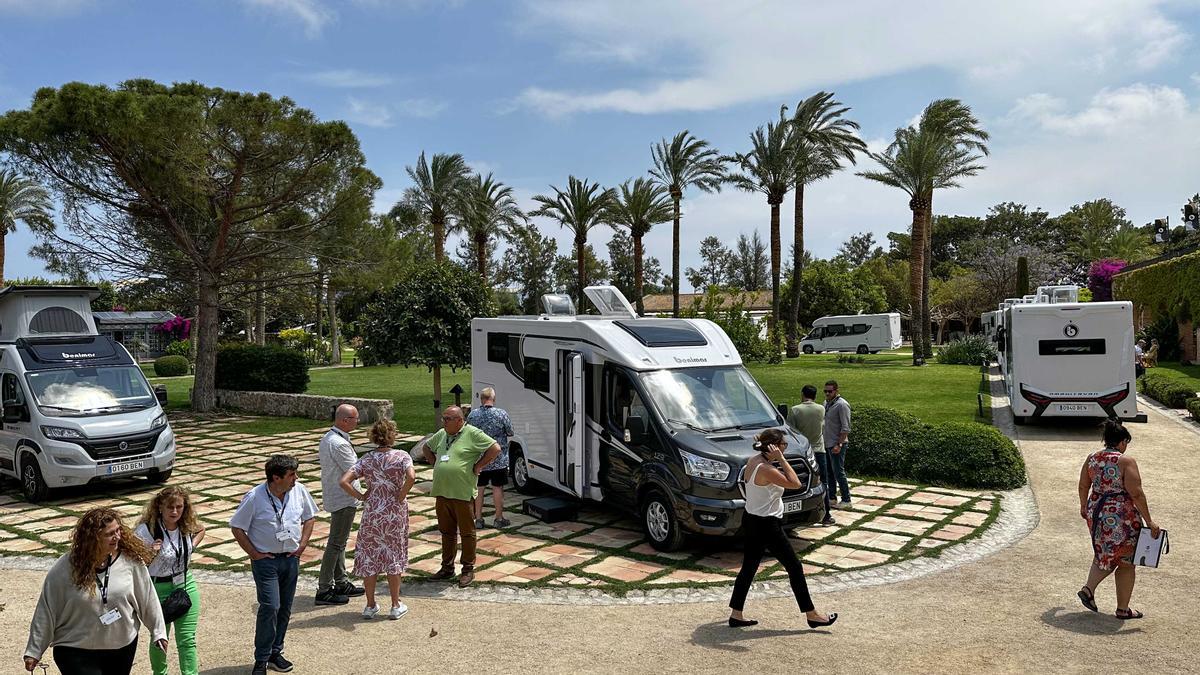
x: 1088, y: 598
x: 1128, y: 614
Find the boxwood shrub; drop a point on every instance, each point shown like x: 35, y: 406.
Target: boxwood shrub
x: 892, y: 444
x: 970, y: 351
x: 170, y: 366
x: 1193, y: 407
x: 1166, y: 390
x: 247, y: 367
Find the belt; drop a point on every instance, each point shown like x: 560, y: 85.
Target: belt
x: 163, y: 580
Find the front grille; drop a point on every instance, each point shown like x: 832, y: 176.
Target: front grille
x: 804, y: 473
x: 134, y: 444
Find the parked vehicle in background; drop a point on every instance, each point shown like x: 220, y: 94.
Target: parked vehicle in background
x: 861, y: 333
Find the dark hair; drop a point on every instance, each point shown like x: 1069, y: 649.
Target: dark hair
x: 809, y: 391
x: 832, y: 383
x: 768, y: 437
x: 1114, y: 433
x: 278, y: 466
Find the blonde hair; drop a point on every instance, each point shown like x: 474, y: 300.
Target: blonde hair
x: 383, y: 433
x: 487, y: 394
x: 152, y: 514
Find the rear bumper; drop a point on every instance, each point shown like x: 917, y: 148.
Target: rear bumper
x: 1119, y: 403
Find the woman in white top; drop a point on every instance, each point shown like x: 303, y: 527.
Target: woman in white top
x: 94, y: 600
x: 170, y: 527
x: 768, y: 474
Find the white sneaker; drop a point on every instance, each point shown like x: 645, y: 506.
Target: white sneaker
x: 397, y: 611
x: 370, y: 612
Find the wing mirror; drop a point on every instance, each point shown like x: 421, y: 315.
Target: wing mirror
x: 635, y: 430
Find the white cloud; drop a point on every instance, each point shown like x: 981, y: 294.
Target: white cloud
x: 424, y: 108
x: 313, y: 14
x: 370, y: 114
x: 347, y: 78
x: 684, y: 55
x: 42, y: 7
x: 1196, y: 79
x: 1112, y: 111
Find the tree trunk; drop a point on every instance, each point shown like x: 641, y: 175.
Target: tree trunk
x: 260, y: 310
x: 2, y: 235
x: 335, y: 343
x: 793, y: 334
x: 675, y: 257
x: 637, y: 275
x: 776, y: 255
x: 319, y: 315
x: 916, y: 276
x: 204, y: 392
x: 580, y: 270
x: 437, y: 396
x: 926, y: 318
x: 481, y: 258
x: 439, y: 238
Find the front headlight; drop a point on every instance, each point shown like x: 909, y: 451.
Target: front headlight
x: 63, y: 433
x: 703, y: 467
x: 160, y: 421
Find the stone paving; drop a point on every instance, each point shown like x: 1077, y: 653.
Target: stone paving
x: 891, y: 528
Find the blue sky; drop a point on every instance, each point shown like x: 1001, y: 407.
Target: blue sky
x: 1083, y: 99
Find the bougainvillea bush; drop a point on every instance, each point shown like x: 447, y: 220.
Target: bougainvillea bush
x: 1100, y: 277
x: 178, y: 328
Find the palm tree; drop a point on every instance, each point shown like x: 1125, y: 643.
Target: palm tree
x: 1129, y: 244
x: 919, y: 161
x: 768, y: 168
x: 684, y: 162
x: 436, y: 193
x: 22, y: 199
x: 820, y: 139
x: 640, y: 205
x: 951, y: 120
x: 581, y: 207
x: 488, y: 211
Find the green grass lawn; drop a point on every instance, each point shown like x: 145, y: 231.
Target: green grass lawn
x: 934, y: 393
x: 1187, y: 374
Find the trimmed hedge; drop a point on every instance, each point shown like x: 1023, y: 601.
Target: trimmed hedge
x: 892, y: 444
x: 1166, y: 390
x: 969, y: 351
x: 170, y: 366
x: 1193, y: 407
x: 248, y: 367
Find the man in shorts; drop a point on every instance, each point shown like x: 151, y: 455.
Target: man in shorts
x: 495, y: 423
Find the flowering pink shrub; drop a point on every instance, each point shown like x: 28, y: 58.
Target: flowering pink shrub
x: 178, y: 328
x: 1100, y: 276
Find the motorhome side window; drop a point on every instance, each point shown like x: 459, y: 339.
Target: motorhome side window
x: 859, y: 329
x: 497, y: 347
x: 624, y: 401
x: 537, y: 374
x: 834, y: 329
x: 12, y: 390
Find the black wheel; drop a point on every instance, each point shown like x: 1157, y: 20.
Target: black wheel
x: 519, y: 467
x: 160, y: 477
x: 659, y: 522
x: 808, y: 349
x: 862, y: 349
x: 33, y: 486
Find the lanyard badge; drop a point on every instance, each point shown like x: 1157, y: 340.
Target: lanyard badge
x: 110, y: 616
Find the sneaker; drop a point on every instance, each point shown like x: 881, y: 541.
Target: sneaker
x: 844, y: 504
x: 370, y: 612
x: 331, y: 597
x: 466, y: 578
x: 479, y: 524
x: 501, y: 522
x: 348, y: 589
x: 398, y: 611
x: 828, y: 522
x: 443, y: 574
x: 260, y: 668
x: 279, y: 664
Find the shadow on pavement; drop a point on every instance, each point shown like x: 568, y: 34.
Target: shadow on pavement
x: 720, y: 636
x: 1085, y: 622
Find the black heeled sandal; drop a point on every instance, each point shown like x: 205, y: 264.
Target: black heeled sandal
x: 741, y: 623
x: 1088, y: 598
x: 819, y: 624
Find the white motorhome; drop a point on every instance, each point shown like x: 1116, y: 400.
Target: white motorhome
x: 1069, y: 359
x: 76, y: 407
x: 654, y: 416
x: 861, y: 333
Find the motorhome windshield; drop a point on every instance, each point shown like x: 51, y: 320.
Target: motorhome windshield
x: 709, y: 398
x: 85, y: 391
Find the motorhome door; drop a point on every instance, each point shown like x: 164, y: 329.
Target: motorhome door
x: 571, y: 423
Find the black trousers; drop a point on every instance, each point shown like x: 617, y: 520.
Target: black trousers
x: 767, y: 535
x: 76, y: 661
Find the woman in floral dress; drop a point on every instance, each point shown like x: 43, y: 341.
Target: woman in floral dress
x: 1112, y: 502
x: 383, y: 536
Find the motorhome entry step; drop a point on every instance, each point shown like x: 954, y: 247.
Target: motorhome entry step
x: 551, y: 509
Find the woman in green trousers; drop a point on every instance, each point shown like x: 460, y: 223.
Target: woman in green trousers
x: 170, y: 526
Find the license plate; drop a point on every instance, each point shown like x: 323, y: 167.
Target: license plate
x: 125, y: 467
x: 1073, y: 407
x: 792, y: 507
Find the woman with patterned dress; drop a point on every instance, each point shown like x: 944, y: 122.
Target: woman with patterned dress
x: 382, y: 546
x: 1112, y: 502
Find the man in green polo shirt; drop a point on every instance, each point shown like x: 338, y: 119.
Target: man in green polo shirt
x: 458, y: 452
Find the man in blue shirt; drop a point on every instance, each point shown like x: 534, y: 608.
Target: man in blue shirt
x: 495, y: 423
x: 272, y: 525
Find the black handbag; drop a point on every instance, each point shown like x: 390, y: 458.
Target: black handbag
x: 178, y: 603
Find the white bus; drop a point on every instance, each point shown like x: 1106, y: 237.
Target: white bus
x: 1069, y: 359
x: 654, y: 416
x: 861, y: 333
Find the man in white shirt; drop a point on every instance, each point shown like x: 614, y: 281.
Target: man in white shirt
x: 337, y: 456
x: 272, y: 525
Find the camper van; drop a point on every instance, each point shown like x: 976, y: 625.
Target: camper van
x: 653, y: 416
x: 860, y: 333
x: 1069, y: 359
x: 76, y: 407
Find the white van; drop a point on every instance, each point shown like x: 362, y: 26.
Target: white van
x: 654, y: 416
x: 860, y: 333
x: 76, y: 407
